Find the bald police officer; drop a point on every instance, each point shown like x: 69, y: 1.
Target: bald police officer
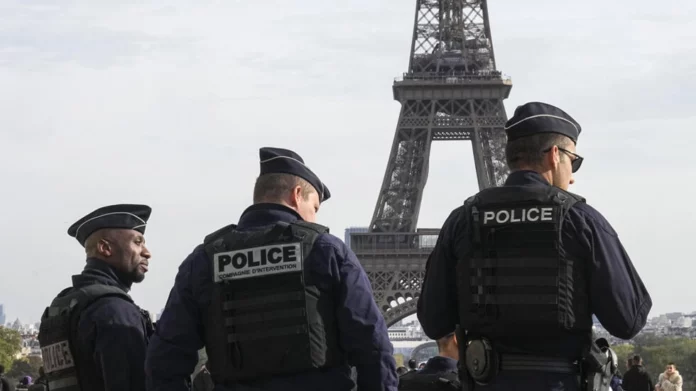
x: 93, y: 337
x: 521, y: 269
x: 278, y: 302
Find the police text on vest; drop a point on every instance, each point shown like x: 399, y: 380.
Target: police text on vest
x: 258, y: 261
x: 518, y: 215
x: 57, y: 357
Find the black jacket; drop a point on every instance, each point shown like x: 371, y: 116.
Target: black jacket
x: 637, y: 379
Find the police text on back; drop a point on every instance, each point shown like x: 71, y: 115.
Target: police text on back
x: 518, y: 215
x: 258, y: 261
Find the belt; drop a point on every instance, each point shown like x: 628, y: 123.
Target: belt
x: 521, y: 362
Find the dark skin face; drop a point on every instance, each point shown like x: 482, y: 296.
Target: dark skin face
x: 125, y: 250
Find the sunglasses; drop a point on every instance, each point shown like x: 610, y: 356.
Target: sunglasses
x: 577, y: 159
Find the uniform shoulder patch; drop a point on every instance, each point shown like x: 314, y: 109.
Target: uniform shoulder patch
x: 57, y: 357
x: 258, y: 261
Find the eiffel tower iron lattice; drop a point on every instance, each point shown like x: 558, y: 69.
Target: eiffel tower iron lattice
x: 452, y: 91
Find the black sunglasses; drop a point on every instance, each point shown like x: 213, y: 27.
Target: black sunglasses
x: 577, y: 159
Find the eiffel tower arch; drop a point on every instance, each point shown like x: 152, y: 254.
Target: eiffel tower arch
x: 451, y: 91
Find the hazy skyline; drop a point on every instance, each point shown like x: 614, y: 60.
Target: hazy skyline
x: 168, y: 103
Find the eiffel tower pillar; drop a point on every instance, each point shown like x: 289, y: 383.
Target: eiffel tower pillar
x: 451, y: 92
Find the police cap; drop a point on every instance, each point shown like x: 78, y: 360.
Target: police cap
x: 536, y: 117
x: 285, y: 161
x: 124, y: 216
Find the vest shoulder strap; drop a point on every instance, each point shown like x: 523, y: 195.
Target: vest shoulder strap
x: 566, y: 199
x: 218, y: 234
x: 307, y: 233
x: 317, y: 228
x: 81, y: 298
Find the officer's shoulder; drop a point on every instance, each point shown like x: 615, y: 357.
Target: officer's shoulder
x: 218, y: 234
x: 328, y: 240
x: 592, y: 217
x: 113, y: 310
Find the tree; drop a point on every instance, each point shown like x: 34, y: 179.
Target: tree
x: 623, y: 353
x: 10, y: 345
x: 28, y: 366
x: 20, y: 368
x: 657, y: 352
x: 35, y: 362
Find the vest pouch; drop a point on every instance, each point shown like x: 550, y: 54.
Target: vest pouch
x: 599, y: 366
x: 267, y: 326
x: 481, y: 360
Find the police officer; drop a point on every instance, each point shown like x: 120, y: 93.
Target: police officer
x: 439, y: 373
x: 278, y: 302
x: 521, y: 268
x: 92, y: 336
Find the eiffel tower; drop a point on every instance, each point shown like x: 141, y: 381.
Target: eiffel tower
x: 452, y: 91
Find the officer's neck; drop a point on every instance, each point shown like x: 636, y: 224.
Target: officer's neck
x: 546, y: 174
x: 450, y: 352
x: 124, y: 279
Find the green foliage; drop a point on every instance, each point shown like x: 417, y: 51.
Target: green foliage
x: 27, y: 366
x: 657, y: 352
x: 19, y: 369
x: 10, y: 345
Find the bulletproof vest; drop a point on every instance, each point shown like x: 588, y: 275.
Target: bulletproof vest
x: 414, y: 381
x: 57, y: 334
x: 517, y: 280
x: 267, y: 317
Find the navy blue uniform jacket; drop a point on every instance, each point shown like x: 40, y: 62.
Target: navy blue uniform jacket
x: 617, y: 295
x: 112, y: 335
x: 172, y: 354
x: 439, y: 364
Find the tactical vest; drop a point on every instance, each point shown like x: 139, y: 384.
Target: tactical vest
x: 57, y: 334
x: 267, y: 317
x: 414, y: 381
x: 517, y: 279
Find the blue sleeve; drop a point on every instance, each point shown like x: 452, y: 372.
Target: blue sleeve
x: 173, y: 351
x: 618, y: 296
x: 119, y: 345
x: 362, y: 329
x: 438, y: 305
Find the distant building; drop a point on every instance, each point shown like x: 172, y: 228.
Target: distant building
x: 682, y: 323
x: 672, y: 316
x: 2, y: 315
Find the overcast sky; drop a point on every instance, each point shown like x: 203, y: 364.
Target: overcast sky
x: 167, y: 104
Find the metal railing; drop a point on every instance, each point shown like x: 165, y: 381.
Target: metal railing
x: 454, y: 78
x: 411, y: 243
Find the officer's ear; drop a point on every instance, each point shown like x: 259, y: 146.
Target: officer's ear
x: 104, y: 247
x: 296, y: 196
x: 553, y: 157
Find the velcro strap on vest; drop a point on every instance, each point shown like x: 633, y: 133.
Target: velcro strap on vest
x: 64, y: 384
x: 264, y: 316
x: 519, y: 362
x: 255, y: 301
x: 516, y: 299
x: 515, y: 281
x: 276, y: 332
x: 489, y: 263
